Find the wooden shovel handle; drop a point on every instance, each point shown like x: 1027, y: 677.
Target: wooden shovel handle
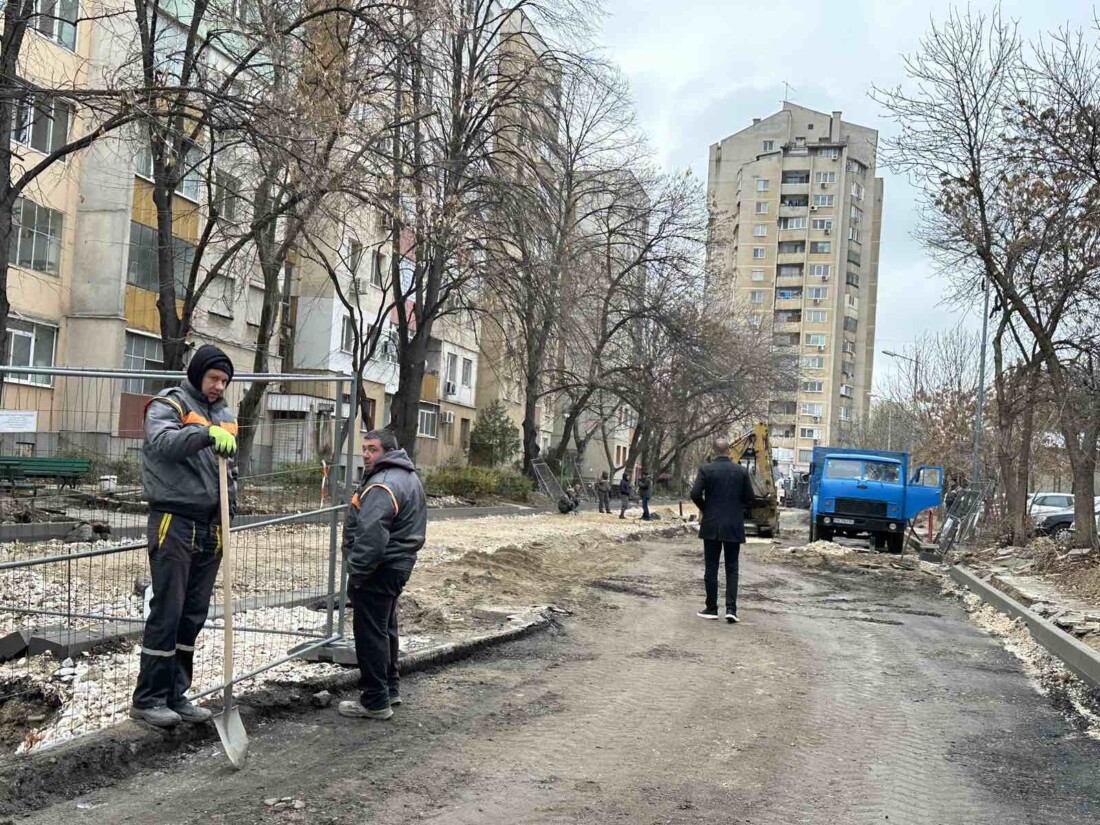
x: 227, y: 571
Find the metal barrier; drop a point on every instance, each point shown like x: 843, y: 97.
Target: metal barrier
x: 73, y: 567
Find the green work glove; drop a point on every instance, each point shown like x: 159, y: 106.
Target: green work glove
x: 225, y: 443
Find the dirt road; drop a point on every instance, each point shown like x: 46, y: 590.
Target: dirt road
x: 839, y: 699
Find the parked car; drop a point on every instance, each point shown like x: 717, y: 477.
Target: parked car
x: 1059, y: 523
x: 1043, y: 504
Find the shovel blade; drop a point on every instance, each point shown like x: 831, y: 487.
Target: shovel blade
x: 234, y: 738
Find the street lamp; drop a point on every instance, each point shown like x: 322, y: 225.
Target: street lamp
x: 916, y: 367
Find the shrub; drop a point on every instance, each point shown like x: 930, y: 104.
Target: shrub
x: 495, y: 437
x: 477, y: 482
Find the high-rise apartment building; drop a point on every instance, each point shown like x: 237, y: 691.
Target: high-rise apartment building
x: 796, y: 212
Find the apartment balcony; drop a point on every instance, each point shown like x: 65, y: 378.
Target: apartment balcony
x: 794, y: 188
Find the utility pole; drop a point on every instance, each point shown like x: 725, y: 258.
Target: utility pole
x: 976, y: 471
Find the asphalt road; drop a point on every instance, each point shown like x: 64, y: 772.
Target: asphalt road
x: 840, y: 699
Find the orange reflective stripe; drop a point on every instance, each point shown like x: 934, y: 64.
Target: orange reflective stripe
x: 396, y: 509
x: 195, y: 418
x: 230, y: 427
x: 166, y: 400
x: 355, y: 501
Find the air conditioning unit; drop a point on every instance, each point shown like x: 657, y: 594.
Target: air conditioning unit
x: 823, y: 184
x: 446, y: 417
x: 450, y: 388
x: 828, y: 231
x: 362, y: 284
x: 813, y: 208
x: 817, y: 419
x: 821, y: 348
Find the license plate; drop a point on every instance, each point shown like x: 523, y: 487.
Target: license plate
x: 844, y: 521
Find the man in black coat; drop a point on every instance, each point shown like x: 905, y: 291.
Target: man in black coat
x: 722, y: 491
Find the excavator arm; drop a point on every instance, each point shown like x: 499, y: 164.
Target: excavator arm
x: 753, y: 451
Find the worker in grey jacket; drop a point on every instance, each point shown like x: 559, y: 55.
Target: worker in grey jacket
x: 385, y: 529
x: 186, y: 428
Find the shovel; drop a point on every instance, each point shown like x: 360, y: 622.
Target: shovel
x: 228, y: 722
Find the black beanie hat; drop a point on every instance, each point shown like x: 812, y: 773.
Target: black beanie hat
x: 207, y: 357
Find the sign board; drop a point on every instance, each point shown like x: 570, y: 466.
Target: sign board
x: 18, y: 421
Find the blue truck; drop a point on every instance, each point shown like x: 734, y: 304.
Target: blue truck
x: 856, y: 492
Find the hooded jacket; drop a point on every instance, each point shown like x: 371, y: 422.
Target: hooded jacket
x: 179, y: 469
x: 388, y: 518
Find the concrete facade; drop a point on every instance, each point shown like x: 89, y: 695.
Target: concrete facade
x: 796, y: 215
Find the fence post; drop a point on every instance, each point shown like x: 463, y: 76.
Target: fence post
x: 349, y: 488
x: 334, y: 524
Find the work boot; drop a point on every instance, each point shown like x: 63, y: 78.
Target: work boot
x: 192, y: 713
x: 395, y: 699
x: 160, y: 716
x: 354, y: 710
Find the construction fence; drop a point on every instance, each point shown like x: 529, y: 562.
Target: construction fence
x: 74, y: 573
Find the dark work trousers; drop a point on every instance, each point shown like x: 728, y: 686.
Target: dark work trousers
x: 374, y: 602
x: 624, y: 503
x: 712, y: 551
x: 604, y: 499
x: 184, y: 557
x: 645, y: 508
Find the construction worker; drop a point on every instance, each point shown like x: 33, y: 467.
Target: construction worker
x: 645, y: 490
x: 624, y: 494
x: 385, y: 529
x: 603, y: 493
x: 186, y: 429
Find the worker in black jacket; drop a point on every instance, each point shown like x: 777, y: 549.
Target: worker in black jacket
x: 385, y: 529
x: 722, y: 491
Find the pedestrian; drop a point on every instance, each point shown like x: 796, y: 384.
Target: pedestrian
x: 568, y: 503
x: 721, y: 491
x: 645, y: 490
x: 624, y: 494
x: 603, y: 493
x: 385, y: 529
x: 186, y: 429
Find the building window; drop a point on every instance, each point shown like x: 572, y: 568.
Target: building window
x: 821, y: 247
x: 790, y: 295
x: 355, y: 257
x: 792, y: 223
x: 853, y: 279
x: 805, y: 456
x: 824, y: 177
x: 809, y: 432
x: 31, y: 345
x: 347, y: 335
x: 227, y: 194
x: 760, y: 230
x: 428, y: 421
x: 761, y: 207
x: 813, y: 386
x: 816, y: 340
x: 762, y: 184
x: 769, y: 145
x: 853, y: 234
x: 36, y: 241
x: 57, y: 21
x: 142, y: 271
x: 467, y: 372
x: 143, y: 352
x: 754, y: 319
x: 756, y: 296
x: 43, y: 124
x: 758, y: 253
x: 823, y: 224
x: 853, y: 302
x: 824, y: 200
x: 845, y: 413
x: 790, y: 271
x: 812, y: 408
x: 450, y: 374
x: 464, y: 433
x: 830, y: 152
x: 850, y: 324
x: 255, y: 305
x: 376, y: 268
x: 821, y: 271
x: 857, y: 191
x: 813, y: 362
x: 792, y: 247
x: 223, y: 293
x: 190, y: 183
x: 758, y: 275
x: 816, y: 316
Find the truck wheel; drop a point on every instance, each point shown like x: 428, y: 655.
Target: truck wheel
x: 813, y: 531
x: 825, y: 533
x: 895, y: 544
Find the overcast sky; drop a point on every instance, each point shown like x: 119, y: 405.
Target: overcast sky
x: 702, y: 69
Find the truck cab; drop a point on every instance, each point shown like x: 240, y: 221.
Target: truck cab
x: 869, y: 492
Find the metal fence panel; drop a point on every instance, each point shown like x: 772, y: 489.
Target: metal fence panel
x: 74, y: 572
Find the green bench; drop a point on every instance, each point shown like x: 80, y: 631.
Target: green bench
x: 18, y: 471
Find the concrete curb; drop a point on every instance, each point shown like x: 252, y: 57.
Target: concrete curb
x: 1078, y: 657
x: 78, y: 766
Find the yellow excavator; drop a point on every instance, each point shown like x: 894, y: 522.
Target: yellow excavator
x: 753, y: 451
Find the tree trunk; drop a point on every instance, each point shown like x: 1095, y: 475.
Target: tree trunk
x: 405, y: 416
